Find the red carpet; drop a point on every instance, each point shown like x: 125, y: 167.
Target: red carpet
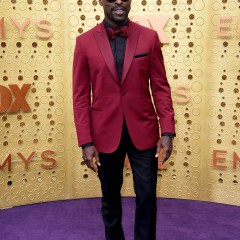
x: 81, y: 220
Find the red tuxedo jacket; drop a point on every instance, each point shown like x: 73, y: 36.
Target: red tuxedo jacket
x: 101, y: 101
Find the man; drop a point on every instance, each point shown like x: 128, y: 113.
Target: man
x: 115, y: 62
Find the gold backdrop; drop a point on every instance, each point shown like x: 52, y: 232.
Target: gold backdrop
x: 39, y: 156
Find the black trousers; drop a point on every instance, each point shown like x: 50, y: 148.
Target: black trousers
x: 144, y: 168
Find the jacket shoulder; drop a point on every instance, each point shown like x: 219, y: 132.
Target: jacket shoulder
x: 87, y: 34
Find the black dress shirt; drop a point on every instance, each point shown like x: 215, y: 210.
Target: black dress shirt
x: 118, y: 46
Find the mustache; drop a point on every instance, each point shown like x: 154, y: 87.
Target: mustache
x: 119, y: 8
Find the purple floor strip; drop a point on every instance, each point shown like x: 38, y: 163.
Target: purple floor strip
x: 81, y: 220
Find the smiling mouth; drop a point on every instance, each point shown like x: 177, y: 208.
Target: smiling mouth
x: 119, y: 11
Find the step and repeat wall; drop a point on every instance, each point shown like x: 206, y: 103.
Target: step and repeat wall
x: 39, y: 156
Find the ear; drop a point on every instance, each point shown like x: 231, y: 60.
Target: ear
x: 100, y: 2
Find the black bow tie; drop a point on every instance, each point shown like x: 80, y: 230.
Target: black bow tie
x: 113, y: 33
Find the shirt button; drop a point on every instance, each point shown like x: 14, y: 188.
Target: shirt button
x: 123, y: 93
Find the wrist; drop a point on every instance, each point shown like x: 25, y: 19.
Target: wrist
x: 168, y: 134
x: 86, y: 145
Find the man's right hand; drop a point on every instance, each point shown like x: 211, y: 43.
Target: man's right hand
x: 89, y: 153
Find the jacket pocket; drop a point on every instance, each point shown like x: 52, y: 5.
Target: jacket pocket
x: 141, y: 55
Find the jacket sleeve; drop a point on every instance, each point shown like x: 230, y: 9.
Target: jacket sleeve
x: 161, y: 91
x: 81, y: 95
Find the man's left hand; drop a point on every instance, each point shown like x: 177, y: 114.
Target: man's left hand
x: 165, y: 143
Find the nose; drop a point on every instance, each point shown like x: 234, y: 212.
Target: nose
x: 118, y: 2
